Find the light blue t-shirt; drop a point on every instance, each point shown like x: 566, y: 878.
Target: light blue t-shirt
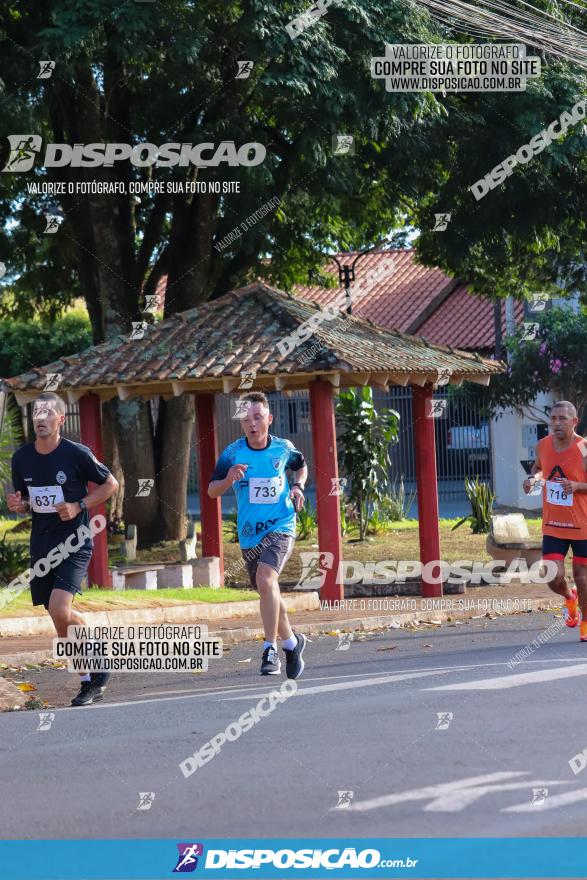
x: 263, y: 502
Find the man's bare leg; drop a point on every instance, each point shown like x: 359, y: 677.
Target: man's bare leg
x: 273, y: 610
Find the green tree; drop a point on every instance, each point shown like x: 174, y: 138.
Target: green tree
x: 26, y: 344
x: 166, y: 72
x: 554, y: 361
x: 364, y: 438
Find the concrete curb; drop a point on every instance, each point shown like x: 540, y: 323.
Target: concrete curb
x: 402, y: 619
x: 194, y: 612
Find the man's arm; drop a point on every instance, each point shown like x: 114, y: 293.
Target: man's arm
x: 102, y: 493
x: 16, y: 501
x: 297, y: 490
x: 535, y: 475
x: 219, y: 487
x: 70, y: 509
x: 575, y: 485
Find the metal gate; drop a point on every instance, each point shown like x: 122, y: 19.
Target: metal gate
x: 462, y: 442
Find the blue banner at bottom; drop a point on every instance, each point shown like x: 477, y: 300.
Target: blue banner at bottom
x: 224, y: 858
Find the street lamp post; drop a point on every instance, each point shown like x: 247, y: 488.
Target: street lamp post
x: 346, y: 274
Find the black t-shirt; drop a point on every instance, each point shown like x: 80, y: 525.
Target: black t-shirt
x: 41, y: 479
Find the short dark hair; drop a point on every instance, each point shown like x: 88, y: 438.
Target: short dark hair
x: 570, y: 406
x: 49, y: 396
x: 256, y: 397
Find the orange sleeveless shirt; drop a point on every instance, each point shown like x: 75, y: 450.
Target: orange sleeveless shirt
x: 563, y: 516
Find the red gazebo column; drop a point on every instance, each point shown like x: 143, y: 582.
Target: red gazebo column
x: 326, y: 473
x: 427, y: 486
x: 207, y: 452
x: 90, y: 418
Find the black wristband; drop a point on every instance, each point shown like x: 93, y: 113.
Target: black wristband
x: 299, y: 485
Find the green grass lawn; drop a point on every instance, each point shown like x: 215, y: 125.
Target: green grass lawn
x: 114, y: 600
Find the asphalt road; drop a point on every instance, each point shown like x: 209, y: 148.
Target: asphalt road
x: 365, y: 719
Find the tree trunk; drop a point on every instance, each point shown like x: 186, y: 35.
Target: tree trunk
x: 112, y: 458
x: 175, y: 428
x: 137, y: 459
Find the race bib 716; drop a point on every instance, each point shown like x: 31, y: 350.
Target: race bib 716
x: 555, y: 494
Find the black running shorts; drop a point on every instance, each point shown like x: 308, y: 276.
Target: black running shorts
x: 67, y: 576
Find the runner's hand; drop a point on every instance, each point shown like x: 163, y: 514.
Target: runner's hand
x: 569, y: 486
x: 297, y: 497
x: 236, y: 473
x: 16, y: 504
x: 68, y: 510
x: 527, y: 484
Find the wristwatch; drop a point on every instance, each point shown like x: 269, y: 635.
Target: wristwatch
x: 82, y: 504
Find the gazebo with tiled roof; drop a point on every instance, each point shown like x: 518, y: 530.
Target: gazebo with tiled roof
x: 207, y: 350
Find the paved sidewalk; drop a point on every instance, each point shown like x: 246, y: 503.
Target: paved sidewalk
x: 357, y: 614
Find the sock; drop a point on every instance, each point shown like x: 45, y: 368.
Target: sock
x: 85, y: 677
x: 290, y: 644
x: 267, y: 644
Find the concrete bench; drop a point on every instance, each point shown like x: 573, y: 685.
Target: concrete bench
x: 136, y: 577
x: 160, y: 575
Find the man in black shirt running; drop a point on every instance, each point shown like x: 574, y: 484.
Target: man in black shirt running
x: 50, y: 478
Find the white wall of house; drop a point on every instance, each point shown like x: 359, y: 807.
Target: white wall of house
x: 509, y: 435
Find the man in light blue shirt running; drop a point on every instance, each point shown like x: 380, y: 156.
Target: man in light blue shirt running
x: 255, y: 467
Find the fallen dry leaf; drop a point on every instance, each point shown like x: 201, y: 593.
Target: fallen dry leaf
x: 25, y: 686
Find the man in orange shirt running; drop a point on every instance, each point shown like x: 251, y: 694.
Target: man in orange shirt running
x: 561, y: 461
